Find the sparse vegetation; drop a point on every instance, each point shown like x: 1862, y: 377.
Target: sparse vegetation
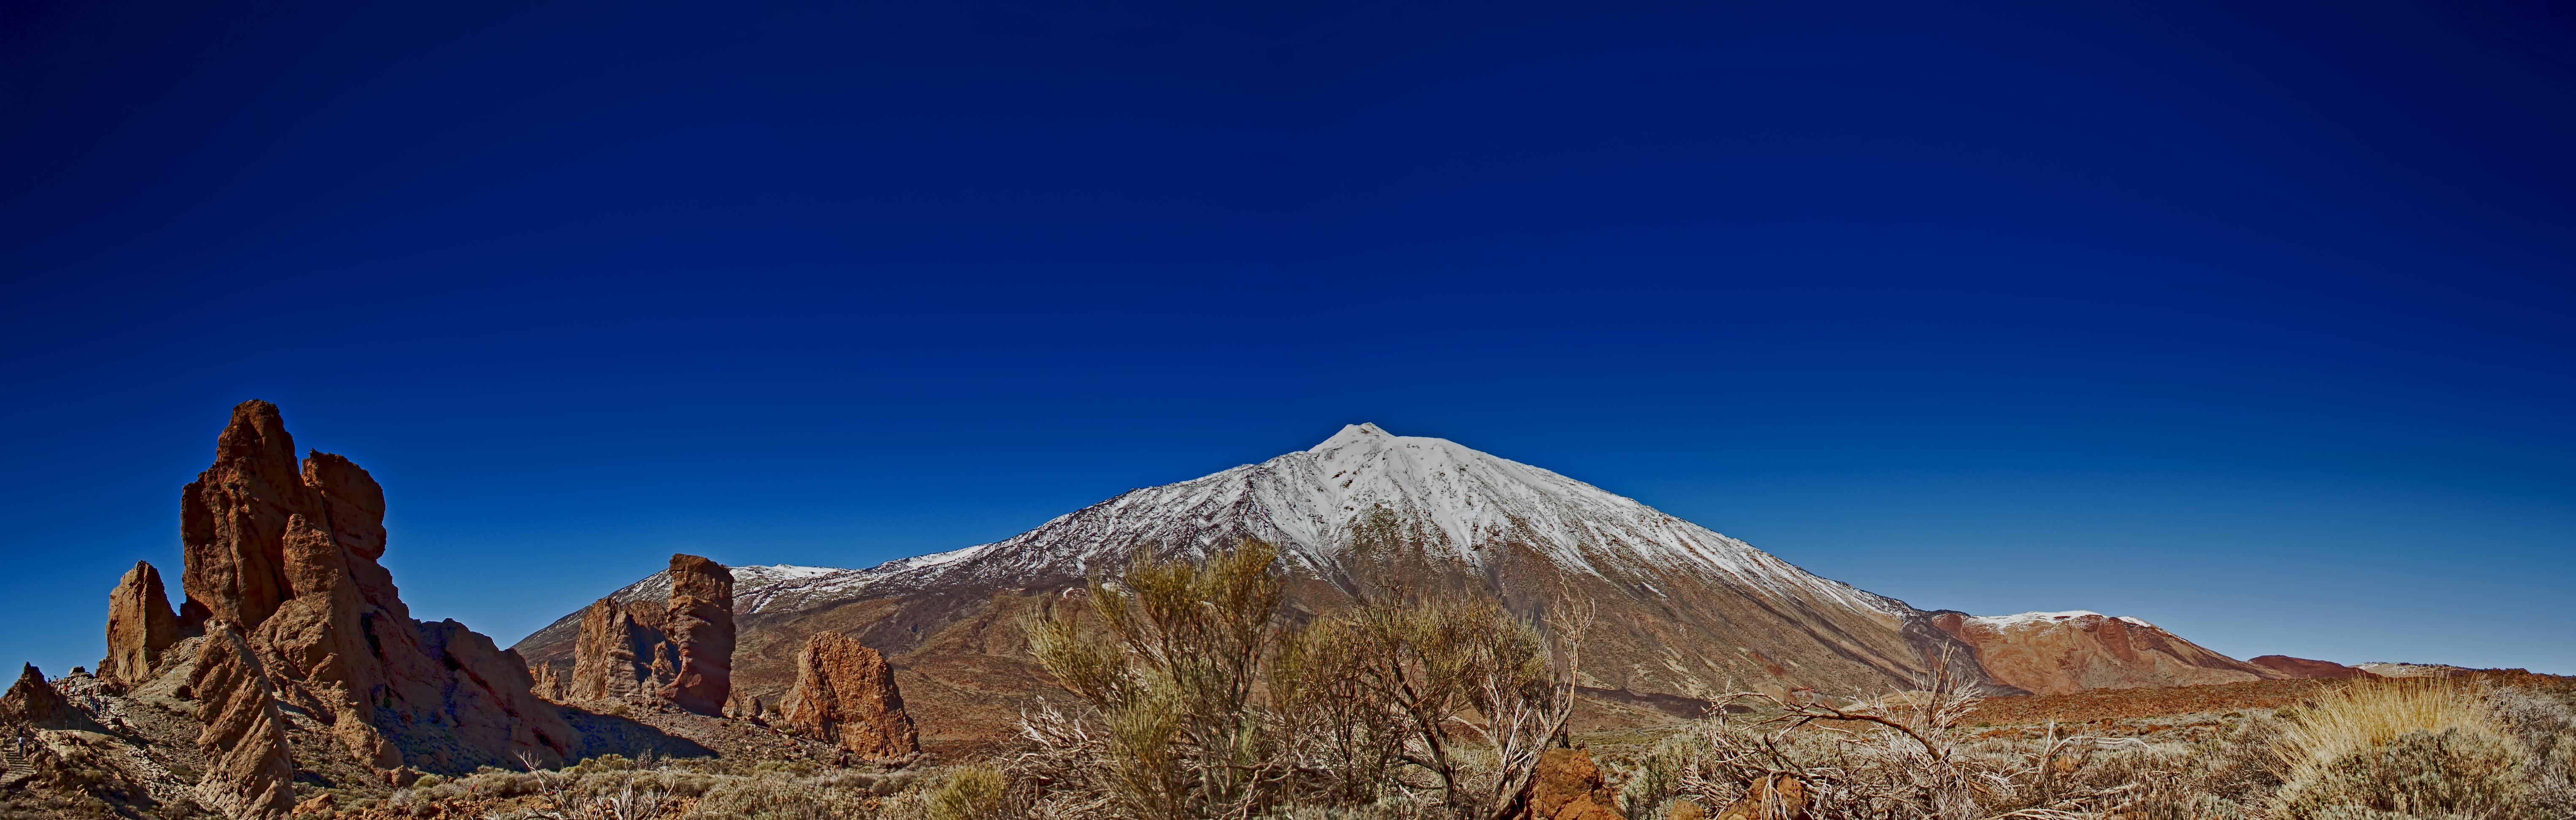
x: 1197, y: 702
x: 1195, y: 697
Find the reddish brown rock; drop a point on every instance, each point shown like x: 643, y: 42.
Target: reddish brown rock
x: 845, y: 694
x: 1777, y: 797
x: 2054, y: 653
x: 287, y: 553
x: 251, y: 774
x: 615, y: 656
x: 140, y: 626
x: 699, y: 623
x: 35, y: 702
x: 2290, y: 667
x: 1567, y: 786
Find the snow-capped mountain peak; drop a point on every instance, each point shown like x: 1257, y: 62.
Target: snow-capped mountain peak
x: 1362, y: 434
x: 1453, y: 502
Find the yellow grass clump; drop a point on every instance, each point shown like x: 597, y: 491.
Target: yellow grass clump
x: 2366, y: 716
x: 2404, y: 748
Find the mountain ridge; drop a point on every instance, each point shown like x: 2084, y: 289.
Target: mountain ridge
x: 1688, y: 612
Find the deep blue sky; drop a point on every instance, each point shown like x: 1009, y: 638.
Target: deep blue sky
x: 2253, y: 322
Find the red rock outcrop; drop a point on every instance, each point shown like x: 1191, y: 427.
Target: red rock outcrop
x: 1776, y: 797
x: 699, y: 623
x: 35, y: 702
x: 2290, y: 667
x: 845, y: 694
x: 287, y: 555
x: 251, y: 773
x: 140, y: 626
x: 2054, y: 653
x: 615, y: 657
x: 1568, y: 786
x: 679, y: 650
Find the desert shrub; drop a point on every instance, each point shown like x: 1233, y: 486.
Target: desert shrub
x: 1171, y: 671
x: 1195, y: 702
x: 2363, y: 717
x: 778, y: 796
x: 2454, y: 772
x: 1655, y: 778
x: 2416, y: 747
x: 971, y: 793
x: 2545, y: 725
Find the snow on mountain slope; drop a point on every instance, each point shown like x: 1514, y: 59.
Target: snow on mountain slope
x: 2054, y: 653
x: 1464, y: 503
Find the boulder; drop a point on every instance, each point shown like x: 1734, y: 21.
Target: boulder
x: 699, y: 623
x: 1567, y: 786
x: 845, y: 694
x: 140, y: 625
x: 286, y: 554
x: 1777, y: 797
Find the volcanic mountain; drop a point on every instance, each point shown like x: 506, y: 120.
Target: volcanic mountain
x: 1684, y: 612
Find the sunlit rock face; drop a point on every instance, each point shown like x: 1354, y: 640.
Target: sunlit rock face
x: 283, y: 554
x: 2052, y: 653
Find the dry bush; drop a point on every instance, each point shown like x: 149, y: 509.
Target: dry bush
x: 972, y: 793
x: 2420, y: 747
x: 2363, y: 717
x: 1907, y: 758
x: 2545, y: 724
x: 2451, y: 773
x: 1170, y: 671
x: 1196, y: 702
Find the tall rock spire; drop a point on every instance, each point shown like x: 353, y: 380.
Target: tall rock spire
x: 700, y: 623
x: 283, y: 556
x: 139, y: 626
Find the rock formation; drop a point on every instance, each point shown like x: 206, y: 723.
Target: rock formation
x: 679, y: 649
x: 33, y: 701
x: 845, y: 694
x: 284, y: 556
x: 2290, y: 667
x: 700, y: 626
x: 2055, y: 653
x: 615, y: 656
x: 1776, y: 797
x: 251, y: 773
x: 139, y: 626
x: 1567, y: 786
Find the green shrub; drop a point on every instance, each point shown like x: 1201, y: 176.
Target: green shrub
x: 972, y: 793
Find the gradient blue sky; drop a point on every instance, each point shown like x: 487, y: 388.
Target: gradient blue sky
x: 2250, y: 321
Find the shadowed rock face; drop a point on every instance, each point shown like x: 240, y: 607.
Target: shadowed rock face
x: 845, y: 693
x: 616, y: 654
x: 140, y: 626
x: 699, y: 622
x: 285, y: 555
x: 35, y: 702
x: 679, y: 649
